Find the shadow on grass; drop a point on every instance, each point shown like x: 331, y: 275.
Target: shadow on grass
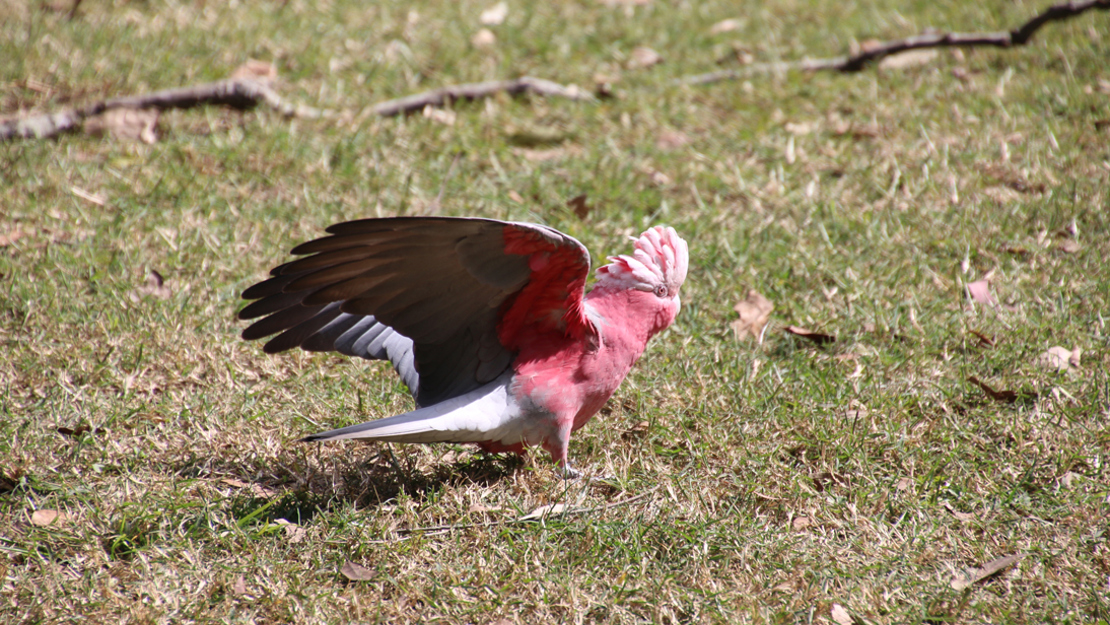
x: 296, y: 489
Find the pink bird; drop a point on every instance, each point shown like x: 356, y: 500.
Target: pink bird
x: 487, y: 322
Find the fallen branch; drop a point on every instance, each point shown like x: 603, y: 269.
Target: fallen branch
x: 874, y: 53
x: 238, y: 93
x: 245, y: 93
x: 473, y: 91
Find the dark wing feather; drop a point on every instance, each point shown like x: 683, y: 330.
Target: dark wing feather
x: 427, y: 293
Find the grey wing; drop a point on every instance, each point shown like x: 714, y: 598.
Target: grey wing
x: 424, y: 293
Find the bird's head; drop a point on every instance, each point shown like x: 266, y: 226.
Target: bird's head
x: 657, y: 265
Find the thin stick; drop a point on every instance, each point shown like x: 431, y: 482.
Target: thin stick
x: 1017, y: 37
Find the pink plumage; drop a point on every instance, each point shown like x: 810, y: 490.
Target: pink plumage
x: 487, y: 322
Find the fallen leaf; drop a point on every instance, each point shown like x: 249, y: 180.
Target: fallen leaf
x: 258, y: 71
x: 984, y: 340
x: 801, y: 522
x: 45, y: 518
x: 239, y: 586
x: 544, y: 511
x: 635, y: 431
x: 725, y: 26
x: 908, y: 59
x: 671, y: 140
x: 495, y: 14
x: 1060, y: 358
x: 356, y: 572
x: 643, y: 57
x: 816, y: 337
x: 980, y: 291
x: 579, y: 206
x: 904, y: 484
x: 840, y: 615
x: 443, y: 116
x: 960, y: 582
x: 124, y: 123
x: 962, y: 516
x: 11, y: 236
x: 754, y: 313
x: 94, y: 198
x: 1068, y: 246
x: 293, y: 532
x: 1008, y: 397
x: 514, y: 196
x: 484, y: 38
x: 155, y: 285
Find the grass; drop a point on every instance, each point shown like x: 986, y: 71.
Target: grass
x: 776, y: 480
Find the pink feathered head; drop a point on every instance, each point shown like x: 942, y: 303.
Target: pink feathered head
x: 661, y: 258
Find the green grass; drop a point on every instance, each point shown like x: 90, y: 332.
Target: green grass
x: 776, y: 479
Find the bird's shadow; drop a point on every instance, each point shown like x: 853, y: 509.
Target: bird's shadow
x: 296, y: 486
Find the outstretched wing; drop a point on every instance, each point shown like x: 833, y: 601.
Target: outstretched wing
x: 446, y: 300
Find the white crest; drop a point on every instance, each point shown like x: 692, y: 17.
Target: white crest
x: 660, y: 257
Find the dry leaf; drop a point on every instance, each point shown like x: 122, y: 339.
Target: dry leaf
x: 754, y: 313
x: 962, y: 516
x: 514, y: 196
x: 543, y: 512
x: 295, y: 533
x: 356, y: 572
x: 155, y: 285
x: 1068, y: 246
x: 642, y: 57
x: 671, y: 140
x: 635, y: 431
x: 816, y: 337
x: 726, y: 26
x: 1008, y: 397
x: 840, y: 615
x: 239, y: 586
x: 443, y: 116
x: 258, y: 71
x: 45, y: 518
x: 484, y: 38
x: 1060, y: 358
x: 94, y: 198
x: 579, y: 206
x: 122, y: 123
x: 801, y: 522
x: 11, y: 236
x: 909, y: 58
x: 904, y: 484
x: 495, y: 14
x: 960, y: 582
x: 980, y: 291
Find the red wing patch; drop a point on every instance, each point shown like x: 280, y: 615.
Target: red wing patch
x: 552, y: 298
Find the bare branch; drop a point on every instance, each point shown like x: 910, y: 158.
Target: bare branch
x: 856, y: 62
x: 473, y: 91
x: 245, y: 93
x: 237, y: 93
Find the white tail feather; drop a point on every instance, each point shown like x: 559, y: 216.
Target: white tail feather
x: 488, y: 413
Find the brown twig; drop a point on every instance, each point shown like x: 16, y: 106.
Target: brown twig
x: 237, y: 93
x: 856, y: 62
x: 244, y: 93
x: 473, y: 91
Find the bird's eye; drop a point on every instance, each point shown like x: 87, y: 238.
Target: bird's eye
x: 661, y: 290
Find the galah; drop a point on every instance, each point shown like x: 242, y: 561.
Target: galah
x: 487, y: 322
